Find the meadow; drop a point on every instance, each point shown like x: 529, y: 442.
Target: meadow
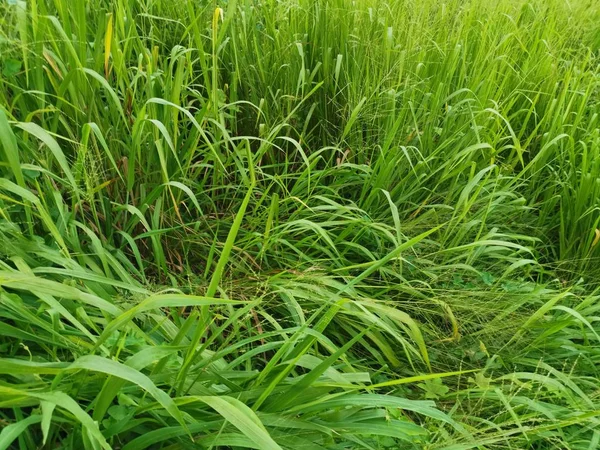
x: 299, y: 224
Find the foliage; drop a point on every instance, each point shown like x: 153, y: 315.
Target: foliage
x: 299, y: 224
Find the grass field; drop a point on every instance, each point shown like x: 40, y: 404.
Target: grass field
x: 299, y: 224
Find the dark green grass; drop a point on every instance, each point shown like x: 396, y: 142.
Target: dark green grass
x: 299, y: 224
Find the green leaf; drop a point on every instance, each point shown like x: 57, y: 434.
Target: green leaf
x: 114, y: 368
x: 11, y: 432
x: 11, y: 151
x: 47, y: 410
x: 161, y: 301
x: 11, y: 67
x: 434, y: 388
x: 243, y: 418
x: 487, y: 278
x: 52, y: 144
x: 481, y: 380
x: 64, y: 401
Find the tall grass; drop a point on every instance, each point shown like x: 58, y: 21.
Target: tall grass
x: 299, y: 224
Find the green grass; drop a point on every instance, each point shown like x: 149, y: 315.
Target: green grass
x: 299, y: 224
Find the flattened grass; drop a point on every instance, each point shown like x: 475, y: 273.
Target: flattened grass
x: 299, y: 223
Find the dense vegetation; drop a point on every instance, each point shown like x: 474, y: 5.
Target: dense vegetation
x: 299, y: 224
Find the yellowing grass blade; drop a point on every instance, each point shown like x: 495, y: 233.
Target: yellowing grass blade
x: 108, y: 43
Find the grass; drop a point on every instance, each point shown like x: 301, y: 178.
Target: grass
x: 299, y: 224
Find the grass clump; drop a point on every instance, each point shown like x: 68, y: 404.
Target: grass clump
x: 299, y: 224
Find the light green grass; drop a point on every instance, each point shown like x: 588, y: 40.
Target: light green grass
x: 299, y: 224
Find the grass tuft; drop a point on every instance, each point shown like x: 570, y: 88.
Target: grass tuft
x: 299, y: 224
